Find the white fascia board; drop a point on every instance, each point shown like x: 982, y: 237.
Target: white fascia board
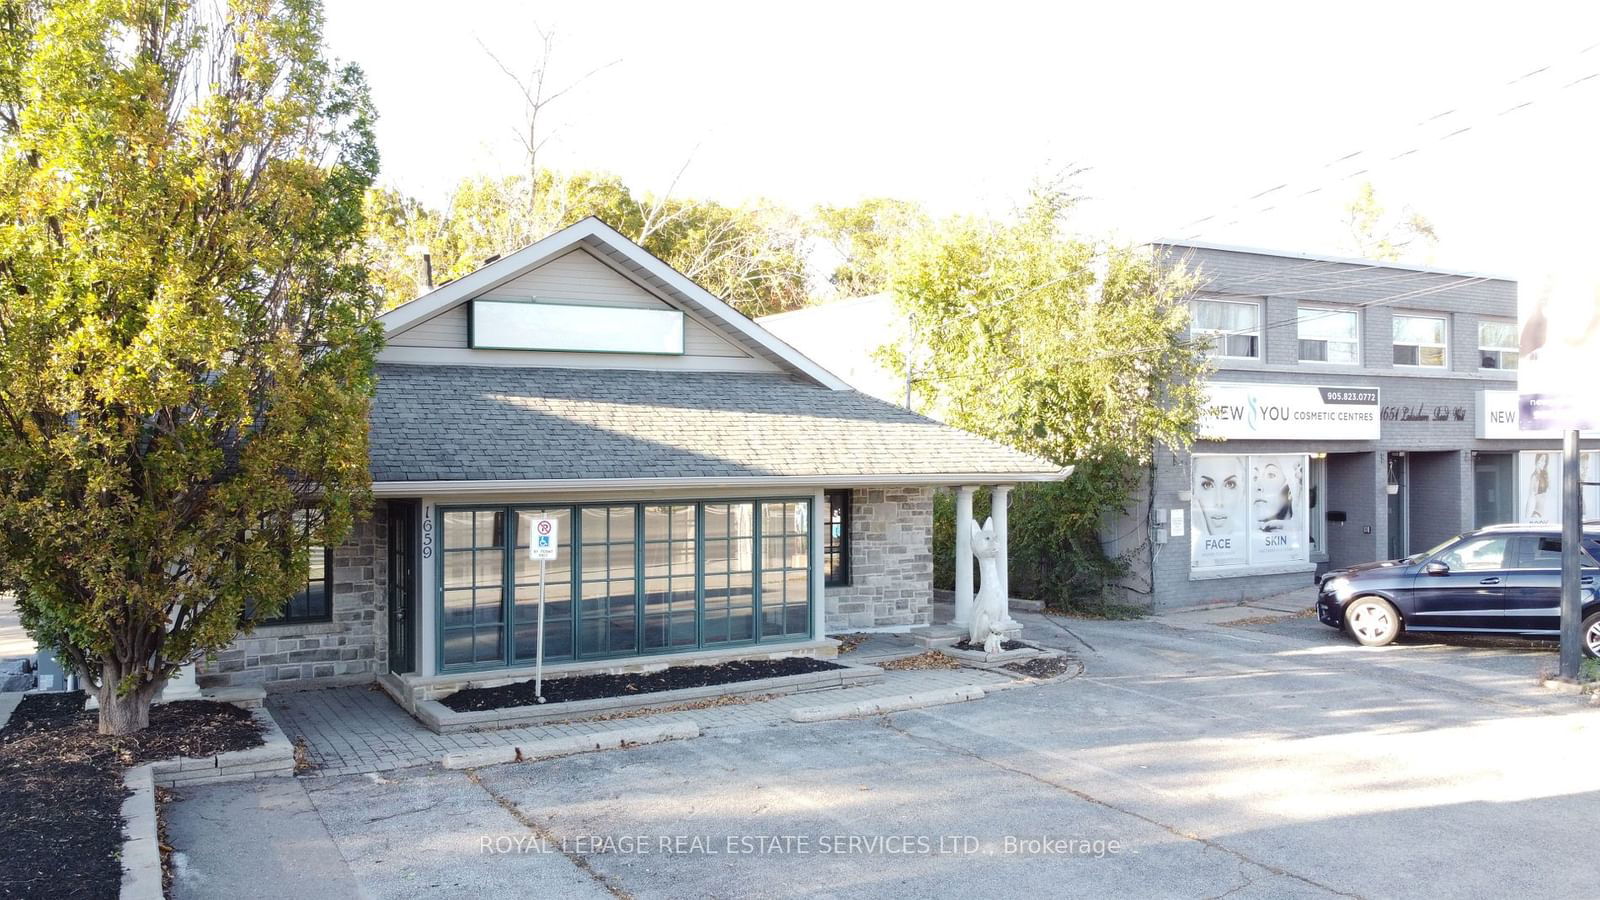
x: 618, y: 485
x: 533, y: 255
x: 486, y: 277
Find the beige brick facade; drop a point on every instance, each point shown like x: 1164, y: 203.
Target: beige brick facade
x: 891, y: 561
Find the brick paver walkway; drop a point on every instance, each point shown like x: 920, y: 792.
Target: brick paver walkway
x: 355, y: 730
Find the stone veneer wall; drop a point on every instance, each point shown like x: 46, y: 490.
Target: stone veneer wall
x: 352, y: 648
x: 891, y: 560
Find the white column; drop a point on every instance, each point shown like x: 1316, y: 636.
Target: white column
x: 819, y: 604
x: 427, y: 621
x: 999, y: 499
x: 964, y: 555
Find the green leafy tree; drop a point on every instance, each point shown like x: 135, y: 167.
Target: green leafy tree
x: 1060, y: 347
x: 398, y: 229
x: 863, y: 236
x: 753, y: 256
x: 1375, y: 234
x: 186, y: 337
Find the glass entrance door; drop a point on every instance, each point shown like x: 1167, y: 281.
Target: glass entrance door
x: 1317, y: 519
x: 1399, y: 524
x: 1493, y: 489
x: 402, y: 588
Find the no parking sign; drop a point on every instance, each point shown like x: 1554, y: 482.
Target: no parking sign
x: 545, y: 538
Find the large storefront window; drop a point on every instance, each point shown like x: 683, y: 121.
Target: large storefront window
x: 557, y: 588
x: 1249, y: 510
x: 669, y: 576
x: 629, y: 578
x: 1539, y: 478
x: 608, y: 604
x: 785, y: 569
x: 729, y: 573
x: 472, y: 586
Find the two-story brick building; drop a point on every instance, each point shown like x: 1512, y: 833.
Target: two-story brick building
x: 1359, y: 411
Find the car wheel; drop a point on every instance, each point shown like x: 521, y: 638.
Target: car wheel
x: 1372, y: 621
x: 1591, y: 636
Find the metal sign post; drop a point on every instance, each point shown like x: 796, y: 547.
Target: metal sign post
x: 1571, y: 557
x: 546, y: 538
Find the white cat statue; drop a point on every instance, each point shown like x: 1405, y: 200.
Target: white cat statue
x: 989, y: 613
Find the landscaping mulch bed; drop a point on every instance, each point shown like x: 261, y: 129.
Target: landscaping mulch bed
x: 594, y: 687
x: 968, y: 645
x: 1043, y: 666
x: 61, y: 787
x: 929, y: 659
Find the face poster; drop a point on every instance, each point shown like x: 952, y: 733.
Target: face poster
x: 1278, y: 519
x: 1218, y: 510
x: 1249, y: 510
x: 1539, y: 485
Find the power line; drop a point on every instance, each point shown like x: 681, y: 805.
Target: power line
x: 1282, y: 190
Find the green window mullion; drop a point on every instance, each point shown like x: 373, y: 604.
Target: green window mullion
x: 576, y: 578
x: 638, y: 576
x: 699, y: 574
x: 758, y: 509
x: 508, y: 586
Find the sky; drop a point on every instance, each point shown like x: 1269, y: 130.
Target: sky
x: 1177, y: 113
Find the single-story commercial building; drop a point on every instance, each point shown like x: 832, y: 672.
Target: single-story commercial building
x: 716, y: 493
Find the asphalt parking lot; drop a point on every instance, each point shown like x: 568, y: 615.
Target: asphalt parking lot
x: 1272, y: 758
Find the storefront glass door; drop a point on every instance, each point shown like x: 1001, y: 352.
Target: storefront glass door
x: 1494, y: 489
x: 1399, y: 522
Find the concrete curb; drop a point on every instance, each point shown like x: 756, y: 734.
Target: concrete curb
x: 442, y: 719
x: 244, y: 697
x: 879, y: 705
x: 566, y: 746
x: 273, y: 759
x: 141, y: 844
x: 1004, y: 656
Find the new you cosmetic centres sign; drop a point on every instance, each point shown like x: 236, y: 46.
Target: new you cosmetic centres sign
x: 1236, y: 411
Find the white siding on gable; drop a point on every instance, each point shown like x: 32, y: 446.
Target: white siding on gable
x: 698, y: 340
x: 447, y: 329
x: 577, y: 278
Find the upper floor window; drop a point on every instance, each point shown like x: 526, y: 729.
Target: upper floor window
x: 314, y: 601
x: 1420, y: 341
x: 1329, y: 335
x: 1233, y: 328
x: 1497, y: 345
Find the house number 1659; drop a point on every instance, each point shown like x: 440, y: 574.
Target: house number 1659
x: 427, y: 532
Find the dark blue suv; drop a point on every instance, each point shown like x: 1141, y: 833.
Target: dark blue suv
x: 1505, y: 579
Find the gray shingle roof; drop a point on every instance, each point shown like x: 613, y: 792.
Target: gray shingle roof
x: 471, y: 423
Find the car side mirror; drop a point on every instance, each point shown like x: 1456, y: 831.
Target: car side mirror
x: 1436, y: 568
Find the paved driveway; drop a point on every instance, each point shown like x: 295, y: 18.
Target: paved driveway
x: 1191, y: 760
x: 13, y: 640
